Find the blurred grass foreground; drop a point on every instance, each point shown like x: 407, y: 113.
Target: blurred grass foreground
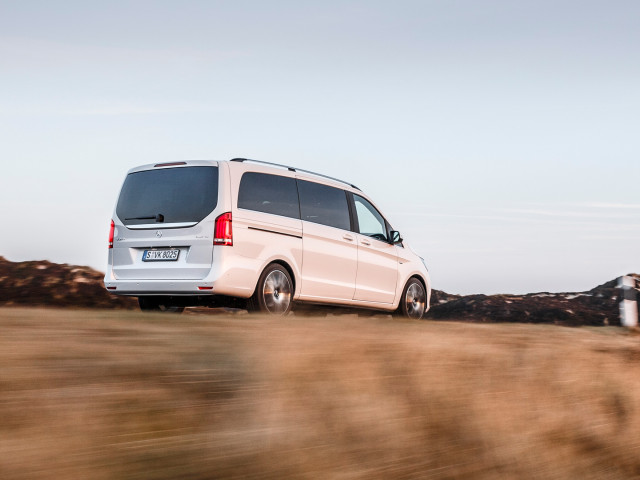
x: 124, y: 395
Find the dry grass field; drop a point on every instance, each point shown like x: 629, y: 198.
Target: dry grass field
x: 125, y: 395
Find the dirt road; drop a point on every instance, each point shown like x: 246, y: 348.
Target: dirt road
x: 123, y: 395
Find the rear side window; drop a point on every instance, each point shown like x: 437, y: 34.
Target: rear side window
x: 169, y: 195
x: 269, y: 194
x: 323, y: 204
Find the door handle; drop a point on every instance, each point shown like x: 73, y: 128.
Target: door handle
x: 348, y: 237
x: 366, y: 242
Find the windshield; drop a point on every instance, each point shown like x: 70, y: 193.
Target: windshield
x: 169, y: 195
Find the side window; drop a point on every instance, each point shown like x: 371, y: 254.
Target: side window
x: 323, y: 204
x: 269, y: 194
x: 370, y: 222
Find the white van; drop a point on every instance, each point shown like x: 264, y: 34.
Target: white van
x: 256, y: 235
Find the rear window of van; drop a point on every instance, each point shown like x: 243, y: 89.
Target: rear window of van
x: 168, y: 195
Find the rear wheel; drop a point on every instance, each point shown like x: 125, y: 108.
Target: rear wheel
x: 414, y: 300
x: 158, y: 304
x: 274, y: 292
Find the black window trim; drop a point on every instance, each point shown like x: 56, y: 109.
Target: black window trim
x: 353, y: 218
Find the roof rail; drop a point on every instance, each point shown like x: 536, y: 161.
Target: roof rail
x: 292, y: 169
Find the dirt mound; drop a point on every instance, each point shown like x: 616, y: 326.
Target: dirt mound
x: 60, y: 285
x: 598, y: 306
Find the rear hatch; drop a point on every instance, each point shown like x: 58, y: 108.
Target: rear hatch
x: 165, y: 223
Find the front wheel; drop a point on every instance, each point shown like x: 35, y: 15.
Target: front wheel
x: 274, y: 292
x: 414, y: 300
x: 158, y: 304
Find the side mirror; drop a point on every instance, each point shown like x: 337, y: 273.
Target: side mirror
x: 396, y: 237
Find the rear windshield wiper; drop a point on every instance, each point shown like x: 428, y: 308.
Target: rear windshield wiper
x: 158, y: 218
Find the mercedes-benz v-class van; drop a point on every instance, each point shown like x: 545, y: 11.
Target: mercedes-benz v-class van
x: 257, y: 235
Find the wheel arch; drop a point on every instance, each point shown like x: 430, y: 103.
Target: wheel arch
x: 291, y: 273
x: 286, y: 266
x: 425, y: 285
x: 258, y: 302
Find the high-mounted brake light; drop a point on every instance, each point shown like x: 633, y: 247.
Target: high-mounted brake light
x: 172, y: 164
x: 223, y: 234
x: 111, y: 230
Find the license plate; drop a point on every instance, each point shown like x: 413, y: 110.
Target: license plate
x: 160, y: 255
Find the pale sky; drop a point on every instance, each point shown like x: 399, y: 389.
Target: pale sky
x: 500, y: 137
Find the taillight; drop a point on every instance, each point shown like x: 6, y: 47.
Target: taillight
x: 223, y: 234
x: 113, y: 226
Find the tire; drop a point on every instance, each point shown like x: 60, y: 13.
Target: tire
x: 158, y: 304
x: 414, y: 300
x: 274, y: 292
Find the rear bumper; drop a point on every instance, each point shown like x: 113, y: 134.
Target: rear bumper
x: 231, y: 282
x: 159, y: 287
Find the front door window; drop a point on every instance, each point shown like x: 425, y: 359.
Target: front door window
x: 370, y: 222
